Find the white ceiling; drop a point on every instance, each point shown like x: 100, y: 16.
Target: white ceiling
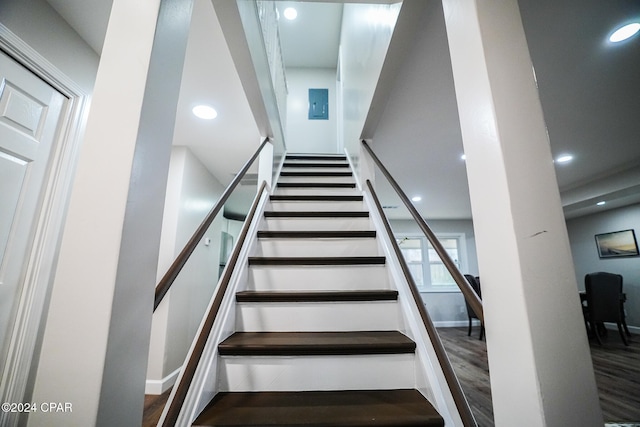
x: 312, y: 39
x: 590, y: 91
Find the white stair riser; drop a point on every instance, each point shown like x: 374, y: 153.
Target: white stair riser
x: 348, y: 179
x: 335, y: 167
x: 316, y: 206
x: 318, y: 316
x: 309, y: 278
x: 361, y: 372
x: 299, y: 191
x: 283, y: 224
x: 326, y: 161
x: 317, y: 247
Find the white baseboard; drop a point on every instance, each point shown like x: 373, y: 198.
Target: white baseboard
x: 614, y: 327
x: 455, y: 323
x: 160, y: 386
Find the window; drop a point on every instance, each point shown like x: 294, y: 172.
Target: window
x: 427, y: 269
x: 411, y: 248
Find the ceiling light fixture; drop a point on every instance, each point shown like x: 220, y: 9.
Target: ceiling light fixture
x: 601, y: 203
x: 463, y: 157
x: 624, y: 32
x: 565, y: 158
x: 290, y: 13
x: 416, y: 198
x: 205, y: 112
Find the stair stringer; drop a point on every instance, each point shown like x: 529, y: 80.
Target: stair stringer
x: 204, y: 385
x: 430, y: 378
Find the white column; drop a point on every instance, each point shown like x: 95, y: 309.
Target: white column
x: 96, y: 339
x: 539, y: 360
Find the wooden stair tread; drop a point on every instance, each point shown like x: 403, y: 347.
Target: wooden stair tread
x: 316, y: 185
x: 317, y: 296
x: 316, y: 157
x: 315, y: 198
x: 315, y: 343
x: 316, y: 234
x: 350, y: 260
x: 320, y: 408
x: 316, y: 214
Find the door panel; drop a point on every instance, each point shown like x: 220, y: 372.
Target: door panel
x: 31, y: 113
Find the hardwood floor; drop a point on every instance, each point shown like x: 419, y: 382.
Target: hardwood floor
x: 469, y: 358
x: 153, y: 406
x: 617, y: 370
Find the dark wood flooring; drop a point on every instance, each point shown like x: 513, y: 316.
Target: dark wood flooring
x: 153, y: 406
x: 617, y: 370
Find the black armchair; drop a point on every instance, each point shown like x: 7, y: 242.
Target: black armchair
x: 604, y: 302
x: 475, y: 284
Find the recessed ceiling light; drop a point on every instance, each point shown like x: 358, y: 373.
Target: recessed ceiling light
x: 624, y: 32
x: 290, y: 13
x: 601, y: 203
x: 565, y: 158
x: 416, y: 198
x: 463, y: 157
x: 205, y: 112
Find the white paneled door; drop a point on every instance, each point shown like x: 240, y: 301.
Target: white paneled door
x: 31, y: 114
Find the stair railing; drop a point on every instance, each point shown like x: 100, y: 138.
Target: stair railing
x: 179, y: 393
x: 452, y: 381
x: 172, y: 273
x: 467, y: 291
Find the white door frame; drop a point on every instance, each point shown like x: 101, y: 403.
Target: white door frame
x: 34, y: 295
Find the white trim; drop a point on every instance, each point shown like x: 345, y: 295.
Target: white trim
x: 160, y: 386
x: 428, y: 288
x: 455, y: 323
x: 614, y: 327
x: 34, y: 295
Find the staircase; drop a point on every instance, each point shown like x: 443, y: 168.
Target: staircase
x: 320, y: 338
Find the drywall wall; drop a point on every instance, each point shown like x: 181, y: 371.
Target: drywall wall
x: 191, y: 192
x: 366, y: 32
x: 582, y: 233
x: 40, y: 26
x: 414, y: 135
x: 305, y: 135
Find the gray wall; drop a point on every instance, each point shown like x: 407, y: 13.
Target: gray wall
x: 38, y: 25
x: 191, y: 193
x: 585, y: 256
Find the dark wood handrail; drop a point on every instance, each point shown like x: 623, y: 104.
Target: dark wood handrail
x: 452, y: 380
x: 170, y: 276
x: 181, y: 389
x: 467, y: 291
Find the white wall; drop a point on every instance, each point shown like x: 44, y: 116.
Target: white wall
x: 304, y: 135
x: 585, y: 255
x: 363, y: 45
x: 415, y: 133
x: 445, y: 308
x: 191, y: 193
x: 38, y: 25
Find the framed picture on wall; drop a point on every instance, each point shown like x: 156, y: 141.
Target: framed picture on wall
x: 617, y: 244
